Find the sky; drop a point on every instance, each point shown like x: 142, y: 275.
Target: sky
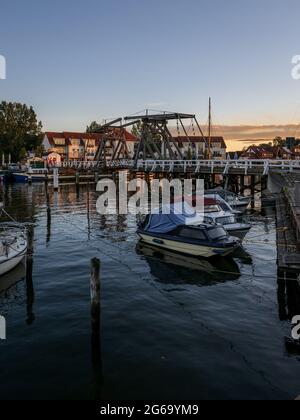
x: 80, y: 61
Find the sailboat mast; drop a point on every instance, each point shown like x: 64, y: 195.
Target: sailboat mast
x: 209, y: 130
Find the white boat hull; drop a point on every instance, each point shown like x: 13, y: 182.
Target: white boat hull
x: 9, y: 265
x: 237, y: 231
x: 12, y: 253
x: 185, y: 248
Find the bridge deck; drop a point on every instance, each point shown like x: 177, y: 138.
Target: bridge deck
x: 223, y: 167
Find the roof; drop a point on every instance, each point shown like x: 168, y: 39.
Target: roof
x: 67, y: 135
x: 200, y: 139
x: 258, y: 151
x: 81, y: 136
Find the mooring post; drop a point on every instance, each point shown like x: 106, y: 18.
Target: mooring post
x: 96, y: 177
x: 48, y: 213
x: 29, y: 270
x: 253, y: 192
x: 96, y: 354
x: 55, y: 179
x: 95, y: 295
x: 77, y: 179
x: 46, y: 180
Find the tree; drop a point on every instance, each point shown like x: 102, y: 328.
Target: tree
x: 137, y: 129
x: 278, y: 142
x: 20, y: 130
x: 93, y: 127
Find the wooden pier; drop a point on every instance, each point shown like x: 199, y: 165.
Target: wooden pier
x: 288, y: 227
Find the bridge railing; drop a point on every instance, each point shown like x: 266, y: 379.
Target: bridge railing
x: 263, y: 166
x: 244, y: 165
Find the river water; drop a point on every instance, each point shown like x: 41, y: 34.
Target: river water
x: 171, y: 327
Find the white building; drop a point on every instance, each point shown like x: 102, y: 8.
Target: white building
x: 197, y: 147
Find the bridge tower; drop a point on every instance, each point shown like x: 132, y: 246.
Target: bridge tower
x: 113, y: 145
x: 156, y: 140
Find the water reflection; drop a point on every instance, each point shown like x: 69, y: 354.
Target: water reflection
x: 288, y: 293
x: 172, y: 268
x: 13, y: 277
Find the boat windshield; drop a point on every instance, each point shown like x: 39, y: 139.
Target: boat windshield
x: 228, y: 220
x: 217, y: 233
x: 212, y: 209
x: 192, y: 233
x: 226, y: 195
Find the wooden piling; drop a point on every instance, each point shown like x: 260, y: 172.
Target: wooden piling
x: 95, y: 289
x: 46, y: 180
x: 48, y: 213
x: 77, y: 179
x: 55, y: 179
x: 96, y: 177
x: 29, y: 281
x: 96, y: 353
x: 253, y: 192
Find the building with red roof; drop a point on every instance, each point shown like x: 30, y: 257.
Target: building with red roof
x: 81, y: 146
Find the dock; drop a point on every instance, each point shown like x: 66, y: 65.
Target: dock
x: 288, y: 227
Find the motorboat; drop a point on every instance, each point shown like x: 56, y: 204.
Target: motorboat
x: 13, y: 246
x: 222, y: 203
x: 237, y: 202
x: 32, y: 175
x: 178, y: 228
x: 215, y: 215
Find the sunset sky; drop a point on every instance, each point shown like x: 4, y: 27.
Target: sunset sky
x: 79, y: 61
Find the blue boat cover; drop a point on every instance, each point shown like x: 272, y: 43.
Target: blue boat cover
x: 178, y: 216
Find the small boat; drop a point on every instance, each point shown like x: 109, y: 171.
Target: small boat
x: 237, y: 202
x: 222, y: 203
x: 33, y: 175
x: 183, y: 231
x: 20, y: 177
x: 215, y: 215
x: 13, y: 246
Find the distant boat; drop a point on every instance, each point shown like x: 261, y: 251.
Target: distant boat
x: 237, y: 202
x: 4, y: 176
x: 35, y: 175
x: 182, y: 233
x: 214, y: 214
x: 222, y: 203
